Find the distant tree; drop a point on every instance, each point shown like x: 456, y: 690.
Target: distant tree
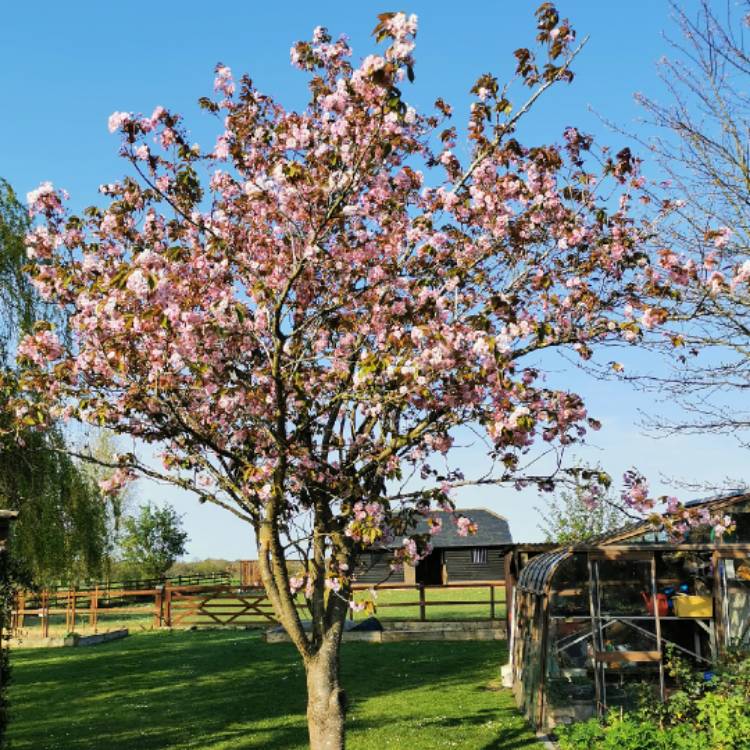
x: 153, y: 539
x: 577, y: 515
x: 208, y: 566
x: 102, y: 445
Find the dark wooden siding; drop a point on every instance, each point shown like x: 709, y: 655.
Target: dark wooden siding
x: 374, y: 567
x: 460, y: 567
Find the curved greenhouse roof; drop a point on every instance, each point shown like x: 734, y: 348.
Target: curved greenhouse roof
x: 536, y: 576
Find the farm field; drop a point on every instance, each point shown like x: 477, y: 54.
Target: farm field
x: 216, y: 690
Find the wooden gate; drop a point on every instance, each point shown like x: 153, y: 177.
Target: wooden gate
x: 218, y: 607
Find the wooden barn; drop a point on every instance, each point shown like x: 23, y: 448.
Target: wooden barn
x: 454, y: 559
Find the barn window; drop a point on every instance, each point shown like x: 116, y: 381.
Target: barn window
x: 479, y: 556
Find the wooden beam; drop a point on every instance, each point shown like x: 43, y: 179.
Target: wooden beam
x: 608, y: 657
x: 732, y: 554
x: 664, y: 547
x: 605, y: 553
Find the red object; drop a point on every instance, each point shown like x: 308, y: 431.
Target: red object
x: 662, y: 603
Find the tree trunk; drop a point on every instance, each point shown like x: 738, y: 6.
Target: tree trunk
x: 326, y: 701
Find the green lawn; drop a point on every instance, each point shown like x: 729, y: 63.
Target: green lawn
x: 219, y: 690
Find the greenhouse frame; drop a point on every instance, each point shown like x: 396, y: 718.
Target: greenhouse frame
x: 593, y: 624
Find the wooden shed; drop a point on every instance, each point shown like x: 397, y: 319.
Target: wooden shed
x: 591, y: 622
x: 454, y: 558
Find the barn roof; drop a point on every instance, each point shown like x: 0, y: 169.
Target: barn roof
x: 492, y: 529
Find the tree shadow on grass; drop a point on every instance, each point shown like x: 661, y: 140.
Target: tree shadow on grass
x: 221, y: 690
x: 513, y: 739
x: 166, y: 690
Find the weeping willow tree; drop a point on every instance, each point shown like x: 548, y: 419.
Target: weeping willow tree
x: 64, y: 530
x: 18, y: 302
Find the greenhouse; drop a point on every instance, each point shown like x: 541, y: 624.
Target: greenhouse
x: 592, y: 624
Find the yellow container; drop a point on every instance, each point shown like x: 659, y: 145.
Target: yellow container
x: 693, y: 606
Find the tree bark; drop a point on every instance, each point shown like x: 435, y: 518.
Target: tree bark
x: 326, y: 701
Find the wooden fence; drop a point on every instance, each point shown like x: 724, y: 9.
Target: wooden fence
x: 186, y: 606
x: 422, y: 599
x: 76, y: 607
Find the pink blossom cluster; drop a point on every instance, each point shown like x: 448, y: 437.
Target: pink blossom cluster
x: 333, y: 583
x: 410, y: 552
x: 722, y: 236
x: 45, y: 199
x: 299, y: 583
x: 40, y: 347
x: 592, y: 496
x: 117, y: 481
x: 117, y: 120
x: 465, y: 526
x: 120, y: 120
x: 223, y: 81
x: 636, y: 493
x: 435, y: 525
x: 368, y: 523
x: 723, y: 525
x: 679, y: 520
x: 403, y: 30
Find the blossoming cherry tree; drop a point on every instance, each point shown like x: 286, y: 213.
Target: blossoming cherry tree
x: 302, y: 316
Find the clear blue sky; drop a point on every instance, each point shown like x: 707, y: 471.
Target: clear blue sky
x: 64, y: 67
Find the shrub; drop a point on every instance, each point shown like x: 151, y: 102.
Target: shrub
x: 726, y: 720
x: 587, y: 734
x: 702, y: 714
x: 631, y: 733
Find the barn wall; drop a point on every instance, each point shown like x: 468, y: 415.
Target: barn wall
x: 460, y: 567
x: 374, y: 567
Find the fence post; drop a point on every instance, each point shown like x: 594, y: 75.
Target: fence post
x: 159, y: 606
x: 245, y: 574
x: 94, y: 617
x: 422, y: 608
x: 492, y: 601
x: 168, y: 608
x: 73, y: 600
x: 45, y: 614
x: 20, y: 602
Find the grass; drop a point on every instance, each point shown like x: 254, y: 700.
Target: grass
x: 478, y: 609
x: 141, y: 617
x: 218, y: 690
